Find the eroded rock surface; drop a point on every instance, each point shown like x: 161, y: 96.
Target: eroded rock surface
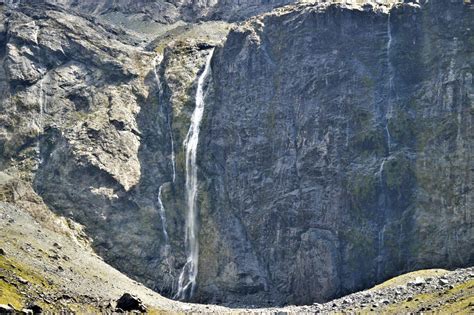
x: 334, y: 151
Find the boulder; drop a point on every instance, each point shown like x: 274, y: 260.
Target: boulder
x: 128, y: 302
x: 6, y: 309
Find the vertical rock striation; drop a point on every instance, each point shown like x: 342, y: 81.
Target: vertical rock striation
x: 335, y: 152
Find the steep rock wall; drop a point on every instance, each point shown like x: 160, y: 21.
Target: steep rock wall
x: 336, y: 151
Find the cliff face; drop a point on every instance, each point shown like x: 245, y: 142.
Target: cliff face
x: 171, y: 11
x: 335, y: 149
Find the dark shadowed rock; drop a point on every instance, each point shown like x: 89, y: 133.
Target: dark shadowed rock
x: 6, y: 309
x: 128, y: 302
x: 35, y: 308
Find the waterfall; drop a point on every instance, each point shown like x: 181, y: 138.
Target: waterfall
x: 187, y: 278
x: 381, y: 241
x: 162, y: 215
x: 155, y: 62
x: 162, y: 210
x: 381, y: 171
x: 390, y: 83
x: 173, y: 156
x: 41, y: 103
x: 388, y: 115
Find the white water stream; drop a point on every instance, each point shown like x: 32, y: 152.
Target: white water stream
x: 162, y: 209
x: 187, y: 278
x: 157, y: 61
x: 388, y: 116
x: 42, y: 100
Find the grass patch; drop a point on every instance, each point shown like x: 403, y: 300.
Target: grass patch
x: 9, y: 294
x: 403, y: 279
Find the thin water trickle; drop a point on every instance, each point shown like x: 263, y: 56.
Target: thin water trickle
x: 42, y: 104
x: 156, y: 61
x: 187, y: 278
x: 381, y: 171
x: 163, y: 215
x: 173, y: 156
x: 381, y: 242
x: 388, y: 116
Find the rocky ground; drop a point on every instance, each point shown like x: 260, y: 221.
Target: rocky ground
x: 56, y: 270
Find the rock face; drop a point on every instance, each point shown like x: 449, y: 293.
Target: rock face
x: 172, y: 11
x: 334, y: 153
x: 323, y: 134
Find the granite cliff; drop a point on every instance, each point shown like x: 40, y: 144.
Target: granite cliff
x: 335, y: 149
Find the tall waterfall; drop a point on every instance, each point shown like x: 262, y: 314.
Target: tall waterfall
x: 390, y: 82
x: 388, y: 116
x: 162, y: 210
x: 187, y: 278
x: 156, y: 62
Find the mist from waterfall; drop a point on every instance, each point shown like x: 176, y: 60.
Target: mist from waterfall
x: 187, y: 278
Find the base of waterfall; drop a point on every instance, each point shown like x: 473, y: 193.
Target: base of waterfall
x: 48, y: 265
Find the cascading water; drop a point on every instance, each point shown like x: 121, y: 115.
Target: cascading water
x: 41, y: 103
x: 187, y: 278
x: 173, y: 156
x: 388, y: 116
x: 162, y: 210
x: 163, y: 216
x: 390, y: 82
x: 157, y: 61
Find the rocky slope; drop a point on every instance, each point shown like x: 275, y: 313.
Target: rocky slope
x: 48, y: 265
x: 334, y: 151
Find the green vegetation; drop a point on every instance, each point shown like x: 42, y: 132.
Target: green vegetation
x: 455, y: 300
x: 11, y: 292
x: 398, y: 173
x: 362, y: 244
x: 363, y: 191
x: 402, y: 127
x: 369, y: 142
x: 368, y: 82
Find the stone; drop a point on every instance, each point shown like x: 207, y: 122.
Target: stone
x: 128, y: 302
x: 443, y: 281
x: 22, y: 281
x: 35, y: 308
x: 6, y: 309
x: 418, y: 282
x: 2, y: 252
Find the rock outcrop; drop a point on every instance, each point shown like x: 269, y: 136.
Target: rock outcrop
x: 334, y: 153
x: 172, y: 11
